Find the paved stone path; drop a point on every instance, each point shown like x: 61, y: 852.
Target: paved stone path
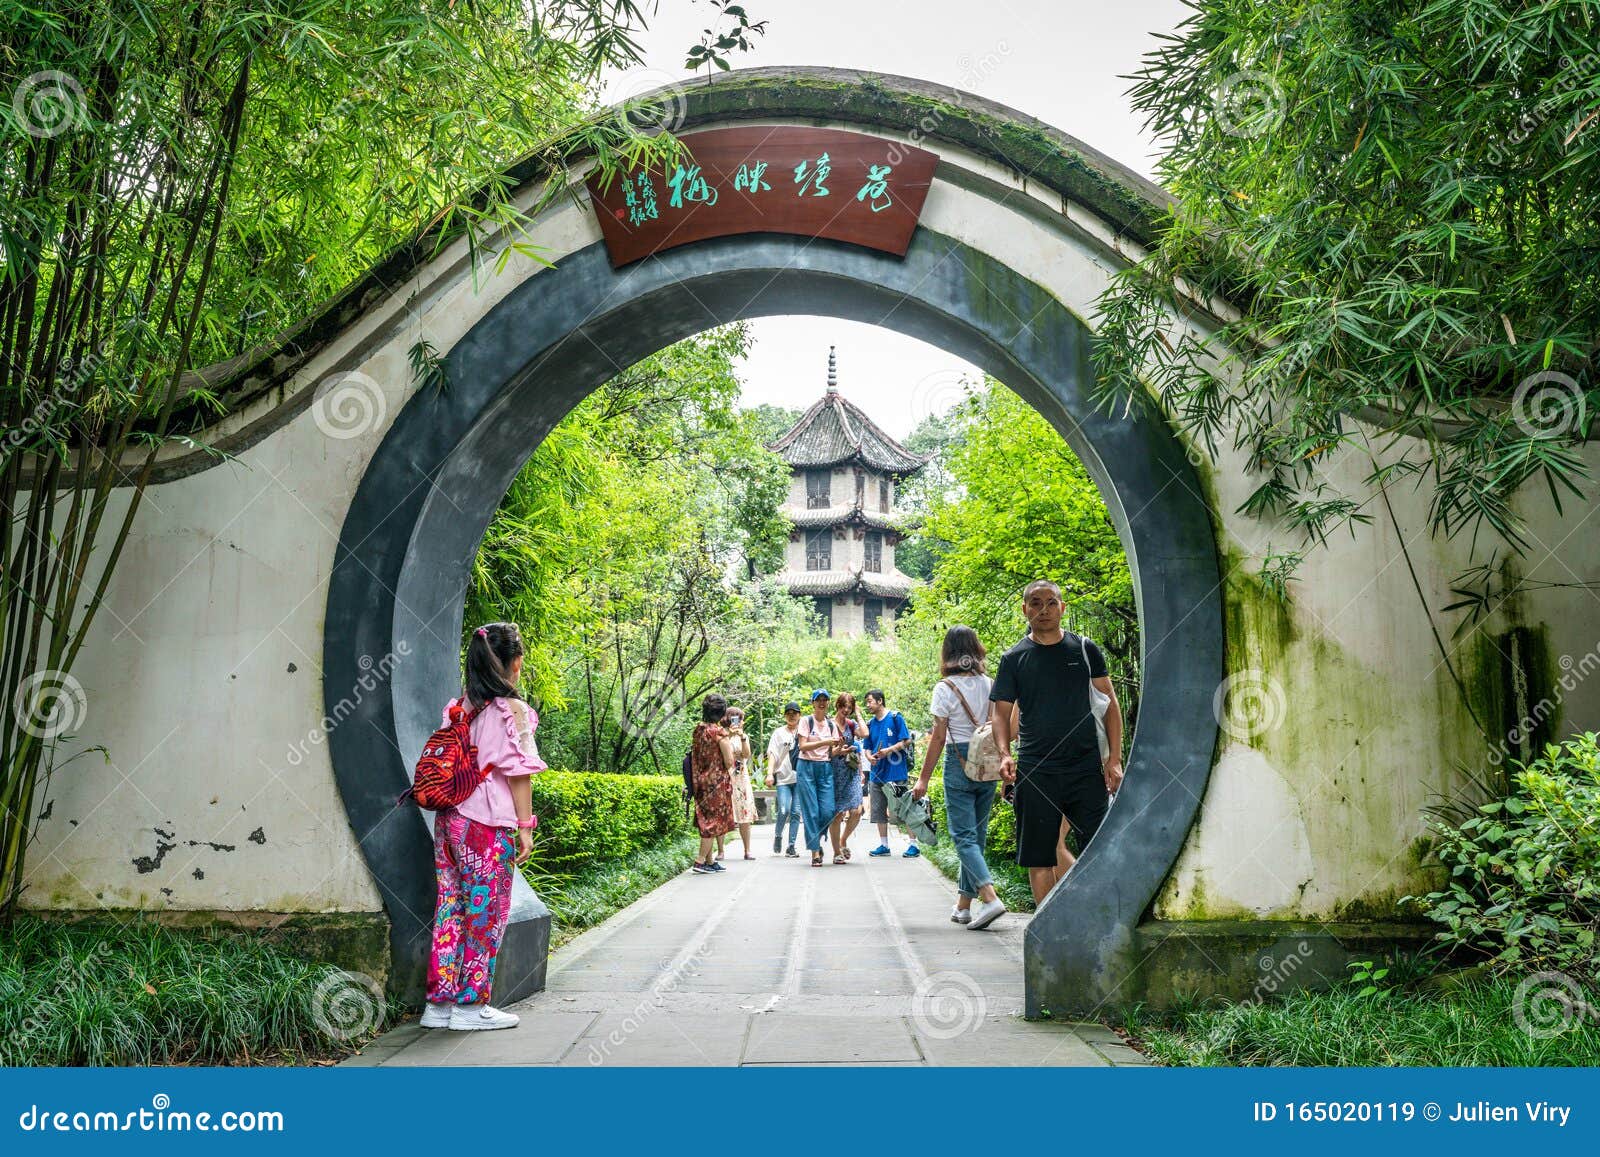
x: 774, y: 962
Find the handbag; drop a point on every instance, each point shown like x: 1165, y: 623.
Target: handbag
x: 1099, y: 704
x: 982, y: 764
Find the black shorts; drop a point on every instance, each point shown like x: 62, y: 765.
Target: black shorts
x: 1043, y: 797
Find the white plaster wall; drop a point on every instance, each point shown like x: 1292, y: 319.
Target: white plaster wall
x: 212, y: 737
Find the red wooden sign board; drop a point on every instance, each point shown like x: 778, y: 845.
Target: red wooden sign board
x: 812, y: 182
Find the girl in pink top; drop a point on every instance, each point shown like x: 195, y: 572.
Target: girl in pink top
x: 478, y: 844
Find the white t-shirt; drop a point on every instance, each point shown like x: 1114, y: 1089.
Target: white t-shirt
x: 779, y: 748
x: 974, y: 691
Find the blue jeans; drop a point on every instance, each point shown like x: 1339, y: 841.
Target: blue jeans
x: 966, y: 809
x: 787, y: 806
x: 814, y: 785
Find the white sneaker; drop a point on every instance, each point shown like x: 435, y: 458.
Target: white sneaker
x: 985, y: 914
x: 960, y: 915
x: 481, y: 1018
x: 437, y: 1015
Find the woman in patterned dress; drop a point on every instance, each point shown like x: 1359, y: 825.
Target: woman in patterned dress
x: 737, y: 744
x: 846, y: 775
x: 713, y: 789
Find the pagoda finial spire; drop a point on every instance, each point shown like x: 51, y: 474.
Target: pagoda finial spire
x: 833, y: 372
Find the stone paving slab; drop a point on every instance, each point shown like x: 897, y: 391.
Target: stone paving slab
x: 792, y: 1039
x: 777, y: 963
x: 542, y: 1038
x: 655, y: 1038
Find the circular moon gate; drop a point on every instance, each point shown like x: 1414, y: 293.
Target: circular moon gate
x: 406, y: 548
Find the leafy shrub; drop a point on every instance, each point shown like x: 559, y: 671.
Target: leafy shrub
x: 587, y: 817
x: 1524, y: 882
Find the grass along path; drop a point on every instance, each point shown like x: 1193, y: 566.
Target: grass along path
x: 600, y: 890
x: 101, y: 992
x: 1470, y: 1025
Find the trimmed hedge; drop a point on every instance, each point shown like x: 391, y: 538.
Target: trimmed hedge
x: 587, y: 817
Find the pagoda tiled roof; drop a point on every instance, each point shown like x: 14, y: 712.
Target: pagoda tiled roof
x: 890, y: 584
x: 834, y: 431
x: 846, y: 515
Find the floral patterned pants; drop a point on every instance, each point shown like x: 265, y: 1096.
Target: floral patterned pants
x: 474, y: 863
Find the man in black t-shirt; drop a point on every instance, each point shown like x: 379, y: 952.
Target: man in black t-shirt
x: 1058, y: 771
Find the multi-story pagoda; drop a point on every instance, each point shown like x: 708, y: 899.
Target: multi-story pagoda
x: 845, y: 471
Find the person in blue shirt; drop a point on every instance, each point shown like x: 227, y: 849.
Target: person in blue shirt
x: 888, y: 746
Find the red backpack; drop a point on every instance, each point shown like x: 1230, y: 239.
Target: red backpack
x: 447, y: 771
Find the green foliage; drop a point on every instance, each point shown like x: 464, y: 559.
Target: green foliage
x: 614, y: 547
x: 1401, y: 199
x: 1016, y: 505
x: 1471, y: 1026
x: 107, y: 993
x: 586, y: 818
x: 1524, y: 882
x: 179, y: 180
x: 588, y: 898
x: 940, y: 435
x: 1369, y: 977
x: 604, y: 841
x: 624, y: 550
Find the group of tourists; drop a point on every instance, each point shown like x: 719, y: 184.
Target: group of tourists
x: 1051, y: 693
x: 822, y: 765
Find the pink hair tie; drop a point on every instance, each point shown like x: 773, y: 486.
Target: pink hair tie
x: 482, y: 632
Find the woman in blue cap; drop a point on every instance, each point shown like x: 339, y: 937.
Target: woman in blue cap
x: 814, y: 773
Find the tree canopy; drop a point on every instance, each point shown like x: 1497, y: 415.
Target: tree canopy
x: 1399, y: 200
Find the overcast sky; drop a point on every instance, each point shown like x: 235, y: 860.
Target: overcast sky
x: 1063, y: 62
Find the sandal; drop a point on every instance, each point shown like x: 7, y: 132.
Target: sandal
x: 838, y: 859
x: 816, y: 859
x: 847, y: 851
x: 748, y: 856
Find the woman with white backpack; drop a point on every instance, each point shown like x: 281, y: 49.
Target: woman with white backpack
x: 961, y: 734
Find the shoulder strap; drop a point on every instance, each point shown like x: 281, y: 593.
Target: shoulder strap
x: 965, y: 706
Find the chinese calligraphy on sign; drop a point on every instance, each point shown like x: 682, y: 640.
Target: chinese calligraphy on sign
x: 815, y: 178
x: 750, y: 178
x: 640, y: 196
x: 688, y: 185
x: 877, y: 187
x: 726, y: 182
